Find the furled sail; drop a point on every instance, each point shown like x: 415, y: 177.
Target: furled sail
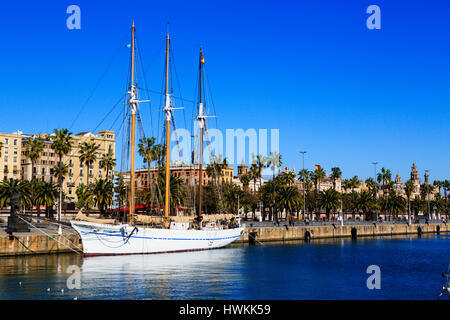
x: 82, y: 217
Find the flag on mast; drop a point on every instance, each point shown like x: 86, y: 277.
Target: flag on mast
x: 317, y: 167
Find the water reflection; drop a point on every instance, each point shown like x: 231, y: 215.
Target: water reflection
x: 161, y: 276
x: 322, y: 269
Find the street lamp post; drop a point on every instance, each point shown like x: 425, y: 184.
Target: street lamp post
x: 375, y: 170
x: 303, y: 178
x: 375, y: 181
x: 59, y: 210
x: 428, y: 197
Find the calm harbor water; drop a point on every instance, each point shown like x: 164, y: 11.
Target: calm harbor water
x: 411, y: 268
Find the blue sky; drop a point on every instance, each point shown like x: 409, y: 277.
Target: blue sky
x: 345, y: 94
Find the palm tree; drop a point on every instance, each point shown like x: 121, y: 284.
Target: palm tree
x: 107, y: 161
x: 88, y: 155
x: 84, y: 197
x: 318, y: 176
x: 102, y: 192
x: 446, y: 185
x: 397, y: 203
x: 384, y: 177
x: 350, y: 202
x: 346, y: 185
x: 60, y: 171
x: 268, y: 196
x: 336, y: 173
x: 417, y: 205
x: 409, y: 187
x: 261, y: 163
x: 304, y: 175
x: 393, y: 204
x: 425, y: 191
x: 7, y: 188
x: 255, y: 174
x: 232, y: 194
x: 245, y: 180
x: 330, y: 201
x: 62, y: 143
x: 366, y: 201
x: 274, y: 162
x: 177, y: 192
x: 288, y: 197
x: 33, y: 148
x: 371, y: 185
x: 354, y: 183
x: 121, y: 190
x: 47, y: 195
x: 287, y: 178
x: 35, y: 186
x: 438, y: 184
x: 148, y: 151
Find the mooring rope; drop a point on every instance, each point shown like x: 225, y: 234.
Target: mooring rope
x: 51, y: 236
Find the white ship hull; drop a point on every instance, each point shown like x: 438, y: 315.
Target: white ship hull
x: 105, y: 239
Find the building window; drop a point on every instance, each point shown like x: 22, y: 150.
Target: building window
x: 15, y: 159
x: 6, y: 150
x: 15, y: 142
x: 6, y: 141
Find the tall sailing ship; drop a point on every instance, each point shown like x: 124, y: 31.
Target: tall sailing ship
x: 143, y: 234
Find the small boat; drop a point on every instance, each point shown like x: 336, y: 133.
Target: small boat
x: 158, y: 234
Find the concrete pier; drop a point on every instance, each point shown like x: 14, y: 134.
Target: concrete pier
x: 283, y: 233
x: 43, y: 240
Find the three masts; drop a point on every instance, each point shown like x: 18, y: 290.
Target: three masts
x: 100, y: 237
x: 133, y: 103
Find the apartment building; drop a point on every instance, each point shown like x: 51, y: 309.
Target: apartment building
x: 14, y: 163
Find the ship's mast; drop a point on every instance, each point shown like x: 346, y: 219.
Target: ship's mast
x: 168, y: 114
x: 201, y: 123
x: 133, y: 106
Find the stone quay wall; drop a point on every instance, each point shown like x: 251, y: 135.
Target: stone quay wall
x: 283, y: 233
